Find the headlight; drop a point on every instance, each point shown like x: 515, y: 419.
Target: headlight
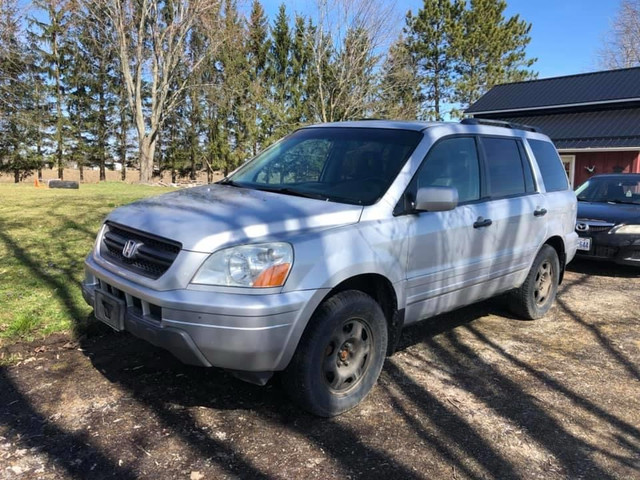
x: 627, y: 229
x: 260, y: 265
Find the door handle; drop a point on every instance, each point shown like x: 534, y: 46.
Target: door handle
x: 482, y: 222
x: 540, y: 212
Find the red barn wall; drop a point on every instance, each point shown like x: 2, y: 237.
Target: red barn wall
x: 604, y: 162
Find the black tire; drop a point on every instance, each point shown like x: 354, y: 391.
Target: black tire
x: 63, y: 184
x: 340, y: 355
x: 538, y: 292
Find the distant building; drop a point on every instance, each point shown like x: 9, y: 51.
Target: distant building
x: 593, y: 118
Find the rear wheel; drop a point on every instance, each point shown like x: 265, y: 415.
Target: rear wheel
x: 340, y: 355
x: 536, y: 295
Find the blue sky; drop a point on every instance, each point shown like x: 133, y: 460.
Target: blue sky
x: 565, y: 36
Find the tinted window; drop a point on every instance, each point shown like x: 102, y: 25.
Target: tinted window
x: 615, y: 189
x: 350, y: 165
x: 453, y: 163
x: 504, y: 167
x: 553, y: 172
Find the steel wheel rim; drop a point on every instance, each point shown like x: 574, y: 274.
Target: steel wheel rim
x: 347, y: 355
x: 544, y: 283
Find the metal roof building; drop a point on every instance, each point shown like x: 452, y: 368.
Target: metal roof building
x: 593, y: 118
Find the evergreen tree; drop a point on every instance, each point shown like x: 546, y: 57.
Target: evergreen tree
x: 301, y: 56
x: 92, y: 98
x: 17, y: 101
x: 257, y: 49
x: 433, y: 36
x: 400, y: 86
x: 51, y: 48
x: 492, y: 50
x: 228, y: 113
x: 279, y: 74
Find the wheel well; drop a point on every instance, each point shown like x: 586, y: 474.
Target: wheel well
x: 558, y: 244
x: 381, y: 290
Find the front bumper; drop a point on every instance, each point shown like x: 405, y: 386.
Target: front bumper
x: 621, y: 249
x: 243, y: 332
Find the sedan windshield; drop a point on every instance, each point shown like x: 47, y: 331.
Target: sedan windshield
x: 348, y: 165
x: 614, y: 189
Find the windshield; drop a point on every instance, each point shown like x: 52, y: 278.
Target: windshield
x: 610, y: 189
x: 348, y: 165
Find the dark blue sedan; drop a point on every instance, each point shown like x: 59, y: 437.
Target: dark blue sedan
x: 608, y: 221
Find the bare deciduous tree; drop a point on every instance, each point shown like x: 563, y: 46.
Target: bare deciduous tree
x: 348, y: 43
x: 152, y: 39
x: 621, y: 48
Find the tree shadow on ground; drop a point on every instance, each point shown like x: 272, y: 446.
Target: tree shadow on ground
x: 73, y: 452
x: 134, y: 366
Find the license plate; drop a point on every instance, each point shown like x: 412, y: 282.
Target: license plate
x: 584, y: 243
x: 110, y: 310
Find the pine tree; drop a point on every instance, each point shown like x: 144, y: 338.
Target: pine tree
x: 279, y: 74
x: 51, y: 48
x: 492, y: 50
x: 257, y: 49
x: 301, y: 55
x: 432, y: 39
x: 17, y: 100
x: 400, y: 94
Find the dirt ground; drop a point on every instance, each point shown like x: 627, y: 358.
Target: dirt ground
x: 472, y: 394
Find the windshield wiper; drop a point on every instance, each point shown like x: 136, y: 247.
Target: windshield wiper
x: 295, y: 193
x: 623, y: 201
x: 231, y: 183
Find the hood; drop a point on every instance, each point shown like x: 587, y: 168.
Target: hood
x: 205, y: 218
x: 609, y: 212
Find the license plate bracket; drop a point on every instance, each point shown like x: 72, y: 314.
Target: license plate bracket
x: 110, y: 310
x: 584, y: 243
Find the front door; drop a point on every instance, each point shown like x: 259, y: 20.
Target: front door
x: 451, y: 251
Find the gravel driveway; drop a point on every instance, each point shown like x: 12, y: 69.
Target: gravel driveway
x: 472, y: 394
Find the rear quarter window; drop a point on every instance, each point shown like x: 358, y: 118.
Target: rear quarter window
x: 553, y: 173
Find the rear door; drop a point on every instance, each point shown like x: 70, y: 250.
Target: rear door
x: 516, y: 209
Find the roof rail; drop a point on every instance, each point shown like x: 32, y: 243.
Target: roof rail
x: 499, y: 123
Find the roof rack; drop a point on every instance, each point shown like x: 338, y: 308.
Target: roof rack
x: 499, y: 123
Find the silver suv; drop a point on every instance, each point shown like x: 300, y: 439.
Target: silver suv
x: 310, y: 258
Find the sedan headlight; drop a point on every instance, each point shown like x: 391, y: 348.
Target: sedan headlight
x: 261, y: 265
x: 627, y: 230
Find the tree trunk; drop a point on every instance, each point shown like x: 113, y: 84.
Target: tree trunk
x: 81, y: 168
x: 16, y: 176
x: 192, y: 153
x: 147, y: 151
x: 60, y: 119
x: 123, y: 141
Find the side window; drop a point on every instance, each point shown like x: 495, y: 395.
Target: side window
x: 553, y: 173
x: 452, y: 162
x: 504, y: 167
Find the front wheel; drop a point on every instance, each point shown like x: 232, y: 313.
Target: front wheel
x: 340, y: 355
x: 536, y: 295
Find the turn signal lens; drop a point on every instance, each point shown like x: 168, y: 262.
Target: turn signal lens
x: 274, y: 276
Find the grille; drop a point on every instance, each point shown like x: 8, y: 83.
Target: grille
x: 153, y: 256
x: 134, y: 304
x: 599, y: 228
x: 607, y: 252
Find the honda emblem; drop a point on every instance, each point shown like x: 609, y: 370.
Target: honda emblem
x: 130, y: 248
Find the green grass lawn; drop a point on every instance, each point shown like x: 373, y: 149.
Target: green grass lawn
x: 45, y: 234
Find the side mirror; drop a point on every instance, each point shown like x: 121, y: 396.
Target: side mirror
x: 436, y: 199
